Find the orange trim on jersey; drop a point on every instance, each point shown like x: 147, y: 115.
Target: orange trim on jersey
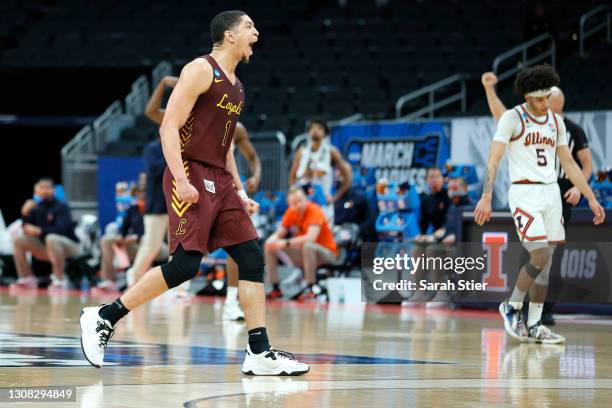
x: 557, y: 127
x: 523, y: 234
x: 534, y: 119
x: 512, y: 139
x: 541, y: 237
x: 526, y: 181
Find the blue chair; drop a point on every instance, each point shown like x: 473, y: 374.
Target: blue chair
x: 603, y: 193
x: 466, y: 171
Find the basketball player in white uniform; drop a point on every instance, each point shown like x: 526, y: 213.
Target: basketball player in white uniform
x: 532, y: 136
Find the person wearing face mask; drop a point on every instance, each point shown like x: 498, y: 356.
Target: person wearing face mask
x: 354, y: 207
x: 48, y: 234
x: 435, y: 206
x: 314, y: 164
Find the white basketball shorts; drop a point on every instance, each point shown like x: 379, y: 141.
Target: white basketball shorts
x: 537, y: 212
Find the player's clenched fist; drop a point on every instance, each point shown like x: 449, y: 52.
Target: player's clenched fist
x: 186, y: 192
x: 488, y: 79
x: 482, y: 213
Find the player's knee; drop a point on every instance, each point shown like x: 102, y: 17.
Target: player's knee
x: 252, y: 272
x: 532, y: 270
x: 183, y: 267
x: 539, y: 258
x: 252, y: 269
x: 249, y: 258
x: 543, y: 277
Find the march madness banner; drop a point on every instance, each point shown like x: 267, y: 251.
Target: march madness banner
x: 398, y: 152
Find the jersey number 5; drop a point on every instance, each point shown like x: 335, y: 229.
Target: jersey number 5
x: 541, y: 157
x: 228, y: 125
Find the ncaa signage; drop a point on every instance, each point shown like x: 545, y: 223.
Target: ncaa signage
x: 398, y: 152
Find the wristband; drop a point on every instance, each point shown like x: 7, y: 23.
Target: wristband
x: 243, y: 195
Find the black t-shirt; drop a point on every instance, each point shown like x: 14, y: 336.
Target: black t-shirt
x: 576, y: 141
x: 433, y: 210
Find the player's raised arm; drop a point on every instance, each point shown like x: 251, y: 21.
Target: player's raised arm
x: 195, y: 79
x: 154, y: 110
x: 574, y: 173
x: 241, y: 139
x: 496, y: 106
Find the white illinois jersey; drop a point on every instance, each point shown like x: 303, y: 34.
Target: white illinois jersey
x: 532, y: 143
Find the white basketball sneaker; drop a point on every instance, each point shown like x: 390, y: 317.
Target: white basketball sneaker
x: 513, y: 321
x: 95, y: 334
x: 538, y: 333
x: 232, y: 311
x: 272, y: 362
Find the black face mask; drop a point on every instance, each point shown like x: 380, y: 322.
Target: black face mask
x: 460, y: 200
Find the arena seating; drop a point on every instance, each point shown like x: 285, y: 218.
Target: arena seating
x: 367, y: 58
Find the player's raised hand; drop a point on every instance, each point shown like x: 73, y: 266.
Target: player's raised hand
x: 187, y: 192
x: 598, y: 211
x: 488, y: 79
x: 482, y: 213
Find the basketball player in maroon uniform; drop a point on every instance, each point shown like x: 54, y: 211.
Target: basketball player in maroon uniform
x: 207, y: 205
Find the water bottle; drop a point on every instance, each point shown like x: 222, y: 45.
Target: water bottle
x: 84, y: 284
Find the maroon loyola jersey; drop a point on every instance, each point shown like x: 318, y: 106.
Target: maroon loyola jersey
x: 207, y: 134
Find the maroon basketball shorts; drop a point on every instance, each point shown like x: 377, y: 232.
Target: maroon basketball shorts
x: 217, y: 220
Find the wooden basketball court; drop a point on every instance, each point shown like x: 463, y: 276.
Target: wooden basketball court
x: 172, y: 354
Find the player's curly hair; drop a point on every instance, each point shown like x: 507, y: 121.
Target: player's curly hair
x: 318, y: 121
x: 535, y: 78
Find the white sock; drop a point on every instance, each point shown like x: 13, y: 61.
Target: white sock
x: 535, y: 313
x: 516, y: 299
x: 232, y: 294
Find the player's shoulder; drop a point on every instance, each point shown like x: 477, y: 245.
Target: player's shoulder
x: 198, y: 65
x: 198, y: 69
x: 197, y: 74
x: 512, y: 115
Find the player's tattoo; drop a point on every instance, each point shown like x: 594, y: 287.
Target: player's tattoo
x: 490, y: 178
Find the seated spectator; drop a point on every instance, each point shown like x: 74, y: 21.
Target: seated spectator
x: 439, y: 244
x: 353, y: 207
x: 127, y: 241
x: 434, y: 205
x: 48, y: 234
x: 314, y: 164
x: 459, y: 198
x: 311, y: 245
